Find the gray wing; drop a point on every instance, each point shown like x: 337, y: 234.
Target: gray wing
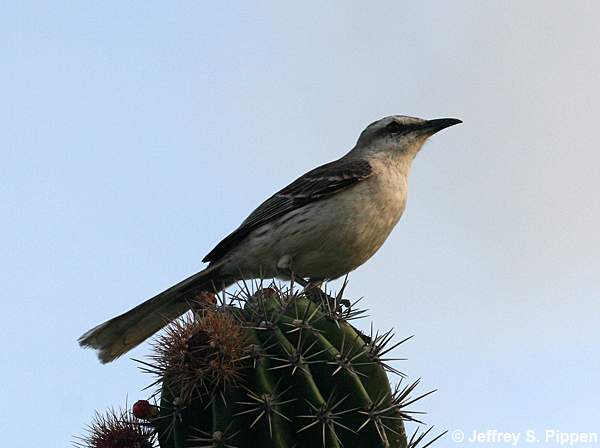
x: 313, y: 186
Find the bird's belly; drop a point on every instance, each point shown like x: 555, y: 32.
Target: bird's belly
x: 345, y: 233
x: 325, y: 239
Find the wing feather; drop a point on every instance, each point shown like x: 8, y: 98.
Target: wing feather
x: 313, y: 186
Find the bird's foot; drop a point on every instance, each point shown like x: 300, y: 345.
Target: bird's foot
x: 313, y: 291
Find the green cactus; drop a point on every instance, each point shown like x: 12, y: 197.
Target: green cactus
x: 276, y: 369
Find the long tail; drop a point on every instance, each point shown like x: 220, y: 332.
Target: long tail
x: 120, y: 334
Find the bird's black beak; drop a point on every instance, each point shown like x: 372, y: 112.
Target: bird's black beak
x: 432, y: 126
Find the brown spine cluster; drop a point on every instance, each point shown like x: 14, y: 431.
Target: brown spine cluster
x: 199, y: 353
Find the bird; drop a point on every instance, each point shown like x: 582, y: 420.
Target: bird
x: 322, y: 226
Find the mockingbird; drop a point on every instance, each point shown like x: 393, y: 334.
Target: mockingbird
x: 321, y: 226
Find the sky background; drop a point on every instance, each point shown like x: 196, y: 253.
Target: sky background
x: 134, y: 135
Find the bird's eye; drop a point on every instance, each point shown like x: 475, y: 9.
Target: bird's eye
x: 394, y: 127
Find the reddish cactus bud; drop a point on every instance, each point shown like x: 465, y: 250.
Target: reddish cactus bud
x: 143, y: 410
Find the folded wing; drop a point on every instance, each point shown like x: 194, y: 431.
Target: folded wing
x: 317, y: 184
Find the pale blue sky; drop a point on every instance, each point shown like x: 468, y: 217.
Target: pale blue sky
x: 136, y: 134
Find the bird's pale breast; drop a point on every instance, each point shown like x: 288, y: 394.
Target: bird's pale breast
x: 329, y: 238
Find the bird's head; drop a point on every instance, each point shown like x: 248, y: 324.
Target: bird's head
x: 399, y: 135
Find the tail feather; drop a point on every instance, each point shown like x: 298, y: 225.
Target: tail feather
x: 120, y: 334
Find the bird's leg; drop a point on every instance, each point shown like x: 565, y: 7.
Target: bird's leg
x: 314, y: 292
